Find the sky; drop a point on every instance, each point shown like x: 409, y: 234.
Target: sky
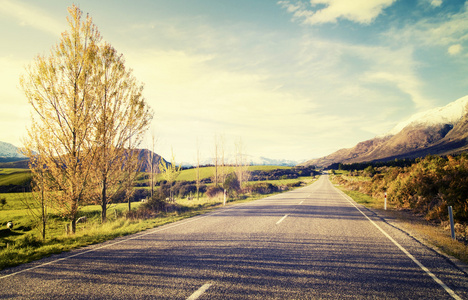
x: 290, y: 79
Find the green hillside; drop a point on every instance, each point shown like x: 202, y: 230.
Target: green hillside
x: 14, y: 176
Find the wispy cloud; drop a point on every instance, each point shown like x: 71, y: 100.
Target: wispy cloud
x: 441, y: 30
x: 32, y: 16
x: 330, y: 11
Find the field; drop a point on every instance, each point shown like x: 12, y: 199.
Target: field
x: 14, y: 176
x: 24, y: 243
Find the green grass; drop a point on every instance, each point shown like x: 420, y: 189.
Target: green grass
x: 14, y: 176
x: 23, y: 244
x: 207, y: 172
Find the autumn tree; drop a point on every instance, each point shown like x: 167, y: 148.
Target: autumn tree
x: 198, y: 170
x: 89, y: 117
x: 150, y: 158
x: 169, y: 172
x: 216, y: 160
x: 60, y: 88
x: 122, y: 119
x: 241, y: 164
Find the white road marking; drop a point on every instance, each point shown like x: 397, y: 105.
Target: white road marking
x: 200, y: 291
x: 281, y: 220
x: 301, y: 202
x: 132, y: 237
x: 414, y: 259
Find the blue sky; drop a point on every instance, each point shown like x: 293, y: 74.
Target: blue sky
x: 292, y: 79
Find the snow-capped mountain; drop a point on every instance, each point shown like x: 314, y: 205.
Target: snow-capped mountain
x: 449, y: 114
x: 248, y: 160
x: 9, y: 150
x: 439, y: 131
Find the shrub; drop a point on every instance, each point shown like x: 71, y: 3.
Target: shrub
x: 262, y: 188
x: 231, y: 184
x: 213, y: 191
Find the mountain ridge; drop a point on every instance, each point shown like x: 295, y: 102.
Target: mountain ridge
x: 439, y: 131
x: 8, y: 150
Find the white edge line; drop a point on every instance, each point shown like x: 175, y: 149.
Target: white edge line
x: 200, y: 291
x: 414, y: 259
x: 132, y: 237
x: 281, y: 220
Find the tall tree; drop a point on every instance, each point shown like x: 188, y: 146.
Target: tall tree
x: 216, y: 159
x: 151, y: 164
x: 242, y: 168
x: 170, y: 171
x: 90, y: 117
x: 198, y: 170
x: 60, y: 88
x: 121, y: 121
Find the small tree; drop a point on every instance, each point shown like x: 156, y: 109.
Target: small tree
x: 170, y: 171
x: 242, y: 168
x: 198, y: 170
x: 231, y: 184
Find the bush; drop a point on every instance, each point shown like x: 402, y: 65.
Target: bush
x: 262, y: 188
x: 214, y: 191
x: 427, y: 187
x: 231, y: 184
x: 156, y: 203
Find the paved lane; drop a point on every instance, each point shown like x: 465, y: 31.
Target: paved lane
x: 311, y: 243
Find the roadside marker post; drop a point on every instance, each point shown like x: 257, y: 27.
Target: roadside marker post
x: 224, y: 198
x: 385, y: 203
x: 452, y: 226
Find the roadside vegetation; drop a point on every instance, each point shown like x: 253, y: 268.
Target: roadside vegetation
x: 24, y: 242
x: 418, y: 195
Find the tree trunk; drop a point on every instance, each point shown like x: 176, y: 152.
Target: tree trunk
x: 43, y: 209
x: 73, y: 225
x: 104, y: 202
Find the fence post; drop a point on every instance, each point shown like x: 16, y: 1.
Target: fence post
x: 452, y: 226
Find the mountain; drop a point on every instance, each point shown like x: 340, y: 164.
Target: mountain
x: 9, y: 151
x: 439, y: 131
x: 11, y: 157
x: 143, y: 157
x: 249, y: 160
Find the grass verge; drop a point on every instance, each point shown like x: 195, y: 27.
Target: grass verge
x: 24, y: 244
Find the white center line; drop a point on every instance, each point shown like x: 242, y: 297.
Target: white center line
x: 281, y: 220
x: 200, y: 291
x: 301, y: 202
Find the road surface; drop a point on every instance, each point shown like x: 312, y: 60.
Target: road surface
x: 310, y: 243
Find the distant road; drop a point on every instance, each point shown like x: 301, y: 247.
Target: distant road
x: 310, y: 243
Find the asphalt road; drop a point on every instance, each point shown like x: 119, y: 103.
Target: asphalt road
x: 310, y: 243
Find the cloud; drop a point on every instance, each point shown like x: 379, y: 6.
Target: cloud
x: 28, y: 15
x: 330, y: 11
x: 436, y: 3
x: 455, y: 49
x: 194, y: 98
x: 441, y: 30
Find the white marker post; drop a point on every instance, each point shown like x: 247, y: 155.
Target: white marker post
x: 385, y: 203
x: 452, y: 226
x: 224, y: 198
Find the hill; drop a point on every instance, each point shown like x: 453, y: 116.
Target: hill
x: 439, y: 131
